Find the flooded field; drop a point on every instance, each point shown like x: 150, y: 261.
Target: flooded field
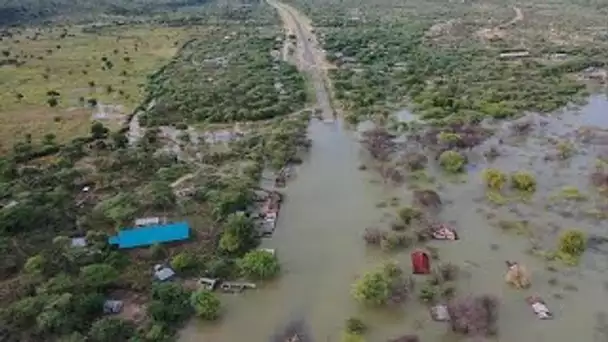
x: 330, y: 203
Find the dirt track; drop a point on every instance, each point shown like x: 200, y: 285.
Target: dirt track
x: 309, y: 57
x: 519, y: 16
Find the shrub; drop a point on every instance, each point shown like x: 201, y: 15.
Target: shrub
x: 572, y: 193
x: 373, y: 236
x: 381, y: 286
x: 572, y: 242
x: 415, y: 161
x: 409, y: 214
x: 394, y: 240
x: 565, y: 150
x: 494, y: 179
x: 523, y: 181
x: 259, y: 264
x: 206, y: 304
x: 448, y: 138
x: 447, y: 271
x: 474, y: 315
x: 373, y: 288
x: 355, y: 326
x: 428, y: 293
x: 52, y: 102
x: 452, y: 161
x: 109, y: 329
x: 183, y: 261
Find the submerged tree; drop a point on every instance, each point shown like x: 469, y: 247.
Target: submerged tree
x: 206, y: 304
x: 474, y: 316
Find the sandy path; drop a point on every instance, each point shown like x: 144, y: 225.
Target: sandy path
x: 309, y: 57
x: 519, y: 16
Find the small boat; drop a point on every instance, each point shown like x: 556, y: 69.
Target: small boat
x: 539, y: 307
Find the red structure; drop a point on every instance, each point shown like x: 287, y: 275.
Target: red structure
x: 421, y: 263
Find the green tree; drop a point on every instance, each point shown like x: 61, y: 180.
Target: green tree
x: 259, y: 264
x: 35, y: 264
x: 183, y: 261
x: 239, y: 234
x: 206, y: 304
x: 55, y: 317
x: 111, y: 329
x: 452, y: 161
x: 120, y: 140
x: 98, y: 275
x: 119, y: 208
x: 170, y: 303
x: 373, y: 288
x: 98, y: 130
x: 22, y: 313
x: 159, y: 195
x: 52, y: 102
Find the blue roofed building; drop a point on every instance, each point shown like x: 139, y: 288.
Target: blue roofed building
x: 151, y: 235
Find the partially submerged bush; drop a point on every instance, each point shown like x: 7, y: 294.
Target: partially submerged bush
x: 494, y: 179
x: 523, y: 181
x: 447, y: 271
x: 206, y: 304
x: 565, y: 150
x: 374, y: 236
x: 394, y: 240
x: 355, y: 326
x: 259, y: 264
x: 429, y: 292
x: 405, y: 338
x: 572, y: 243
x: 474, y: 316
x: 427, y: 198
x: 449, y: 138
x: 409, y: 214
x: 452, y: 161
x: 382, y: 286
x: 572, y: 193
x: 415, y: 161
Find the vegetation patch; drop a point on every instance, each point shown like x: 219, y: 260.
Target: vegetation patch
x: 571, y: 245
x: 231, y: 74
x: 523, y: 181
x: 452, y: 161
x: 384, y: 285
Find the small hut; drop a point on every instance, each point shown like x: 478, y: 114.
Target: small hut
x: 421, y: 263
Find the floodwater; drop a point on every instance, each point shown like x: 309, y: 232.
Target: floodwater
x: 330, y: 203
x: 318, y: 240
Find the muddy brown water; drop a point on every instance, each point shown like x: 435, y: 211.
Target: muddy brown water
x: 330, y: 203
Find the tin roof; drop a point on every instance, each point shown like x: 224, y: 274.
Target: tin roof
x: 150, y: 235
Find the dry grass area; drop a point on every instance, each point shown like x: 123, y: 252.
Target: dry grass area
x: 77, y: 67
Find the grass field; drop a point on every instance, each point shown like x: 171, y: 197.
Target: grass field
x: 50, y: 78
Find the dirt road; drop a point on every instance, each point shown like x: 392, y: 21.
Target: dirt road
x: 309, y: 57
x: 519, y: 16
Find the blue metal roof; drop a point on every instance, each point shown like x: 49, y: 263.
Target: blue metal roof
x: 150, y: 235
